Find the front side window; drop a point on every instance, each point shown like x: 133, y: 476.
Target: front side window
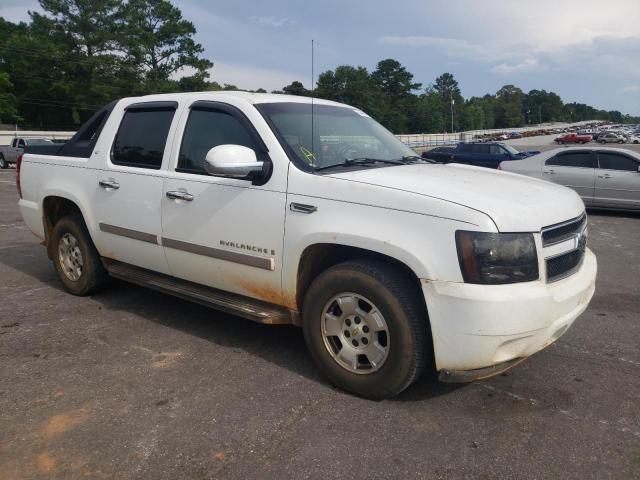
x: 142, y: 137
x: 572, y: 159
x: 497, y: 150
x: 20, y: 143
x: 331, y: 134
x: 615, y: 161
x: 207, y: 129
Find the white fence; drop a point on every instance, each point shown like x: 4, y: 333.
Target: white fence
x: 6, y: 136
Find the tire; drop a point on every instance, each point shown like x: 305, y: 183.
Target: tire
x: 75, y: 258
x: 407, y: 341
x: 621, y: 141
x: 3, y: 163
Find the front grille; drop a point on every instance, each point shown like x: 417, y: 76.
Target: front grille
x: 562, y: 231
x: 564, y: 265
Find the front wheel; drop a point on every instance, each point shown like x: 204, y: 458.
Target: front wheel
x: 3, y: 163
x: 75, y: 258
x: 366, y: 328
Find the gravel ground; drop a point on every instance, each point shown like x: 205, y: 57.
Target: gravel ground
x: 130, y: 383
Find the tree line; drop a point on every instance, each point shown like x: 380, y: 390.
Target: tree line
x: 78, y: 55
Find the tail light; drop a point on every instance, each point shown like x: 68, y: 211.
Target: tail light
x: 18, y: 164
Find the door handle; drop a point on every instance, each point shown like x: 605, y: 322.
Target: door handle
x: 302, y: 208
x: 551, y: 171
x: 179, y: 195
x: 112, y: 184
x: 606, y: 175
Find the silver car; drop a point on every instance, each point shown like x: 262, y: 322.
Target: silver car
x: 611, y: 137
x: 604, y: 177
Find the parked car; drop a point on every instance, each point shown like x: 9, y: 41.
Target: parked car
x: 480, y: 154
x: 604, y: 178
x: 611, y: 137
x: 9, y: 153
x: 635, y: 138
x: 190, y: 193
x: 573, y: 138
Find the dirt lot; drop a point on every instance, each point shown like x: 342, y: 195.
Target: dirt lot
x: 131, y: 383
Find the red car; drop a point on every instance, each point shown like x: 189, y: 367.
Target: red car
x: 573, y: 138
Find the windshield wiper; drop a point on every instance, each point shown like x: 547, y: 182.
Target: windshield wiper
x: 360, y: 161
x: 415, y: 158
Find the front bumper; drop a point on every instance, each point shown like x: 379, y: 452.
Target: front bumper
x: 488, y: 328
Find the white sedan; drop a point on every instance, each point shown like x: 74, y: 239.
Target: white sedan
x: 603, y: 177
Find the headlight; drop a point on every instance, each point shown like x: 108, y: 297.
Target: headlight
x: 496, y: 258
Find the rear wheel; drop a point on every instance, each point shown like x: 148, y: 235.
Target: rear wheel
x: 75, y: 258
x: 365, y: 326
x: 3, y: 163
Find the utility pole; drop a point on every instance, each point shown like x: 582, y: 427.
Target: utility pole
x: 452, y: 102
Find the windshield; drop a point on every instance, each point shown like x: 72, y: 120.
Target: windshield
x: 510, y: 149
x: 339, y: 134
x: 39, y: 141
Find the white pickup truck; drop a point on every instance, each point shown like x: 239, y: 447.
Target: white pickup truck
x: 286, y: 210
x: 9, y: 153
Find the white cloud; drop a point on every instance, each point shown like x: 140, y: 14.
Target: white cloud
x: 631, y: 88
x: 528, y: 65
x: 271, y: 21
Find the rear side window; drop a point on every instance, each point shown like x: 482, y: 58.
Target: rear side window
x: 207, y: 129
x: 572, y: 159
x: 615, y: 161
x: 141, y: 138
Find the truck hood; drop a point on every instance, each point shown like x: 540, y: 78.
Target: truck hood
x: 514, y: 202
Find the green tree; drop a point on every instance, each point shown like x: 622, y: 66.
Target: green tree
x: 428, y: 118
x: 447, y: 87
x: 159, y: 42
x: 350, y: 85
x: 296, y: 88
x: 509, y: 107
x: 8, y: 105
x: 541, y: 106
x: 399, y: 105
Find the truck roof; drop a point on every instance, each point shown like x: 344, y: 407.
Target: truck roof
x: 250, y: 97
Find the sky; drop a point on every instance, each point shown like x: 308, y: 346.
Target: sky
x: 585, y: 51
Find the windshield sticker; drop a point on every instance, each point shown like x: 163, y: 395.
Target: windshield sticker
x: 308, y: 155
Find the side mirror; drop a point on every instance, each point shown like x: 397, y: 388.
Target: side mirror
x: 232, y: 161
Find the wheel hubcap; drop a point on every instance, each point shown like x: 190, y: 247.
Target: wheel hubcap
x: 70, y: 257
x: 355, y: 333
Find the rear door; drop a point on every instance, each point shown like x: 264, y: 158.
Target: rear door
x: 574, y: 169
x: 617, y: 181
x: 128, y: 188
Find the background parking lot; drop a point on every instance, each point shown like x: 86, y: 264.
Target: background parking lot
x: 131, y: 383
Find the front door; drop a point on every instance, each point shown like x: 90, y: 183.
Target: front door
x: 617, y: 181
x: 574, y: 169
x: 128, y: 191
x: 223, y: 232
